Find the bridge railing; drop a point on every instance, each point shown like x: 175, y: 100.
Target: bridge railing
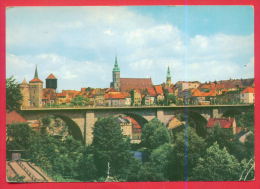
x: 141, y: 106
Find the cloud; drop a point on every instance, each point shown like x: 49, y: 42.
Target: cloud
x: 70, y: 73
x: 79, y: 47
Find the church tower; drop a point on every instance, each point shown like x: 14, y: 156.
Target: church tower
x: 35, y: 88
x: 24, y: 88
x: 168, y: 78
x: 116, y: 76
x: 51, y: 82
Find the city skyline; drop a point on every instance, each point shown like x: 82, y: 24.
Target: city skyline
x: 78, y: 44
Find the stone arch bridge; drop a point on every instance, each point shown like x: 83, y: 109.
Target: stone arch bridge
x: 85, y: 117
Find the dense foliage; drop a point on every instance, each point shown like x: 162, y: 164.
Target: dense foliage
x: 221, y: 166
x: 154, y: 134
x: 110, y: 146
x: 13, y: 95
x: 80, y: 101
x: 183, y: 155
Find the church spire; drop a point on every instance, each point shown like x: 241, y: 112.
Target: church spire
x: 168, y: 72
x: 36, y: 73
x: 168, y: 77
x: 116, y: 67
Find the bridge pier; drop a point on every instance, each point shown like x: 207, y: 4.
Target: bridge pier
x: 89, y: 126
x: 216, y: 113
x: 160, y: 116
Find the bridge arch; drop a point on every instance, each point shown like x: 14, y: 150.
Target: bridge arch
x: 232, y: 112
x: 194, y: 119
x: 73, y: 128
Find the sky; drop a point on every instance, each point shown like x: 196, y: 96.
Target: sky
x: 79, y: 44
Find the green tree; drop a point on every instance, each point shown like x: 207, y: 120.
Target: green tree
x: 159, y: 164
x: 154, y: 134
x: 188, y: 148
x: 157, y: 168
x: 250, y: 146
x: 109, y: 145
x: 87, y: 167
x: 246, y: 120
x: 216, y: 165
x: 222, y: 136
x: 13, y: 95
x: 247, y: 170
x: 20, y: 136
x: 170, y: 99
x: 148, y: 172
x: 80, y: 101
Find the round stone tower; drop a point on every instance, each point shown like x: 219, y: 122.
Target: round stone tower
x: 35, y: 88
x: 24, y: 88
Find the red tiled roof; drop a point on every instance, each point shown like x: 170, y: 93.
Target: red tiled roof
x: 116, y: 95
x: 169, y: 89
x: 110, y: 90
x: 97, y: 91
x: 14, y: 117
x: 158, y: 89
x: 198, y: 93
x: 71, y: 93
x: 228, y: 84
x: 61, y: 94
x: 223, y: 122
x: 36, y: 80
x: 127, y: 84
x: 51, y: 76
x: 136, y: 125
x: 151, y: 91
x: 249, y: 90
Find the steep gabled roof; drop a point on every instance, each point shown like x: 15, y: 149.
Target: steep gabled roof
x: 223, y: 122
x: 151, y: 91
x: 248, y: 90
x: 127, y: 84
x: 158, y: 89
x: 14, y: 117
x: 51, y: 76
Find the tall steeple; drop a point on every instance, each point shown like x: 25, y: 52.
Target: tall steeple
x: 168, y: 77
x: 116, y: 76
x: 36, y: 73
x: 116, y: 67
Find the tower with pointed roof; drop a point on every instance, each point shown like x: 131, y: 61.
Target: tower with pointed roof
x: 168, y: 77
x: 24, y: 88
x: 35, y: 88
x: 116, y: 76
x: 51, y: 82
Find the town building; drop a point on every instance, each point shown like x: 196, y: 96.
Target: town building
x: 185, y: 85
x: 248, y: 95
x: 117, y: 99
x: 49, y: 96
x: 224, y: 123
x: 128, y: 84
x: 136, y: 98
x: 35, y: 88
x: 203, y: 98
